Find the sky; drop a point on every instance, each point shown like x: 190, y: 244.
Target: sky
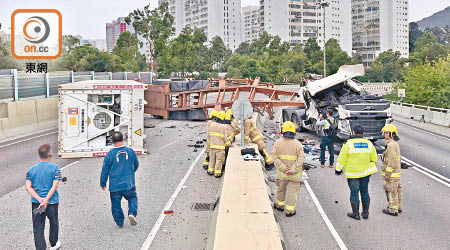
x: 89, y: 17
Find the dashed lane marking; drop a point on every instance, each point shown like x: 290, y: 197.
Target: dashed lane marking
x: 151, y: 236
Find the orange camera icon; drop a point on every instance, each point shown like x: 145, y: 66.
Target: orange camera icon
x: 36, y: 34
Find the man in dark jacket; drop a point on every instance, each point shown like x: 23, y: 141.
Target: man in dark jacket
x: 119, y: 166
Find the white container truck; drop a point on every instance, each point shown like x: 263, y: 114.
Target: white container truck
x: 90, y: 112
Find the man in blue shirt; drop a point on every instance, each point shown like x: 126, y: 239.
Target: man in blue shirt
x: 41, y: 183
x: 119, y: 166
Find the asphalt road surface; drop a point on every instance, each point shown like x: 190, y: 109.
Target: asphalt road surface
x: 171, y: 178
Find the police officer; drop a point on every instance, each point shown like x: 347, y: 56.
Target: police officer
x: 218, y: 139
x: 391, y: 170
x: 212, y: 119
x: 328, y: 137
x: 288, y: 156
x: 251, y: 132
x: 358, y: 156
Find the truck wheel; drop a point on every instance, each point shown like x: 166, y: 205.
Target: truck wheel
x: 297, y: 123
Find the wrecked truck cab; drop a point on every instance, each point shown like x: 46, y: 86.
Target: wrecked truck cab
x: 344, y: 95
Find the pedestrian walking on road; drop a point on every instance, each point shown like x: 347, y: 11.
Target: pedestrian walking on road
x: 288, y: 156
x: 329, y: 136
x: 358, y: 157
x: 119, y: 166
x: 391, y: 170
x: 41, y: 183
x: 218, y: 138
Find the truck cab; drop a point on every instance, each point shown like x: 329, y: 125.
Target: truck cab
x: 351, y: 104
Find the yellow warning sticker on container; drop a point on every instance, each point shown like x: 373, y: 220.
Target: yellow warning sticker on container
x: 138, y: 132
x: 73, y: 121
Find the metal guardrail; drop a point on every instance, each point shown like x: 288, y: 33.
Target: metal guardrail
x: 16, y: 85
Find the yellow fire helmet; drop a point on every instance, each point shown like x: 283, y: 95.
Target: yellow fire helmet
x: 221, y: 115
x: 213, y: 114
x: 391, y: 128
x: 288, y: 127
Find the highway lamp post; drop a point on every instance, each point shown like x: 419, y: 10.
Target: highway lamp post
x: 324, y: 4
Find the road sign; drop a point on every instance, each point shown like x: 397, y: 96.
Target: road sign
x: 242, y: 110
x: 401, y: 93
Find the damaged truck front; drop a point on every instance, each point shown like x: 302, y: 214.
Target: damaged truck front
x: 342, y: 94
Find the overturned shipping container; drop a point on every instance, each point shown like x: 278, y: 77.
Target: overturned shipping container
x: 90, y: 112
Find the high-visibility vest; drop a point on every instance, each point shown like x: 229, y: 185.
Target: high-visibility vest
x: 358, y: 157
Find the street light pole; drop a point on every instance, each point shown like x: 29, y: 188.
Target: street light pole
x: 324, y: 4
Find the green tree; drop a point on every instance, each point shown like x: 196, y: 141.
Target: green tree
x: 128, y: 51
x: 428, y: 84
x: 336, y: 57
x: 315, y: 55
x: 244, y: 48
x: 86, y: 58
x: 7, y: 61
x: 428, y: 49
x: 414, y: 33
x: 69, y: 43
x: 387, y: 67
x: 155, y: 27
x: 218, y: 53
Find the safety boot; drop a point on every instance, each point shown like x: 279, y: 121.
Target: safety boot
x: 281, y: 209
x: 291, y: 214
x: 269, y: 166
x: 388, y: 212
x: 355, y: 213
x: 365, y: 212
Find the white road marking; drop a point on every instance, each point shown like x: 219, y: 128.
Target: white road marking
x: 28, y: 139
x: 330, y: 226
x: 177, y: 140
x: 431, y: 176
x: 416, y: 166
x: 70, y: 164
x: 423, y: 131
x: 151, y: 236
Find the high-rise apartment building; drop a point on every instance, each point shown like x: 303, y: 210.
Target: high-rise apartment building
x: 177, y: 10
x: 251, y: 23
x: 380, y: 25
x: 216, y: 17
x: 113, y: 31
x: 296, y: 21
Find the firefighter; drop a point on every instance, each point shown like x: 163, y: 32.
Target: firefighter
x: 218, y: 139
x: 251, y: 132
x: 231, y: 134
x: 212, y: 119
x: 234, y: 124
x: 359, y: 157
x: 288, y: 156
x: 391, y: 170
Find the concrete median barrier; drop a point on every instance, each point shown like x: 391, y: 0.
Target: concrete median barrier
x: 245, y: 218
x: 47, y: 113
x: 21, y: 118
